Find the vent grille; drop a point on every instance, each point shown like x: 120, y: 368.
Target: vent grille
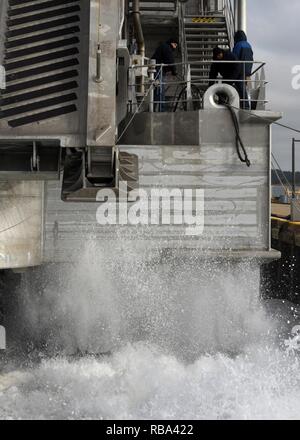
x: 41, y: 60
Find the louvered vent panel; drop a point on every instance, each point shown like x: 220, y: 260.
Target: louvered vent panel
x: 41, y: 60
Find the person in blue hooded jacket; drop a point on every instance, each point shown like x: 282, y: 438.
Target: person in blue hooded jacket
x: 243, y: 51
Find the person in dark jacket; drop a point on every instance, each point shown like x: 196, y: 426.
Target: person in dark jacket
x: 230, y: 72
x: 164, y: 54
x: 243, y: 51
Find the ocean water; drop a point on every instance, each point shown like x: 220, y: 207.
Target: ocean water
x: 116, y: 336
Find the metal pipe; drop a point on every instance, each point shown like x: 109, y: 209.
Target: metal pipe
x: 189, y: 88
x: 122, y: 18
x: 126, y: 13
x: 240, y: 8
x: 98, y: 77
x: 139, y: 35
x: 236, y: 9
x: 152, y: 71
x: 138, y: 27
x: 294, y: 168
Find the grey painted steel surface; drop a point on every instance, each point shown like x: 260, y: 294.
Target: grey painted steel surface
x: 69, y: 128
x: 93, y: 124
x: 188, y: 154
x: 21, y: 224
x: 157, y: 8
x: 194, y: 150
x: 94, y: 121
x: 101, y: 111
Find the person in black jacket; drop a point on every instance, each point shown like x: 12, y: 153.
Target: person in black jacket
x: 231, y: 72
x: 164, y: 54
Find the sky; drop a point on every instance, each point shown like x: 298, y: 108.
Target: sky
x: 273, y: 30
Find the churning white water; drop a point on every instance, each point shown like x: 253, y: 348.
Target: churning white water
x: 116, y: 336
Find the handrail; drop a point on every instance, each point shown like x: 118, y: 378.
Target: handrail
x: 257, y: 85
x: 182, y: 37
x: 261, y: 63
x: 227, y: 11
x: 230, y: 21
x: 204, y: 8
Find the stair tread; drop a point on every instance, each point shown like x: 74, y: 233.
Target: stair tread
x: 206, y: 29
x: 200, y: 39
x: 201, y: 36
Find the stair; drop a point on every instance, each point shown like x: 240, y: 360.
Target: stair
x: 201, y: 36
x: 42, y: 44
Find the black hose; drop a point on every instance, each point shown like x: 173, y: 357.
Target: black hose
x: 243, y: 156
x: 179, y: 98
x: 195, y: 88
x: 223, y: 100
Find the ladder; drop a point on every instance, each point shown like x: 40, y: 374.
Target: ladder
x: 201, y: 32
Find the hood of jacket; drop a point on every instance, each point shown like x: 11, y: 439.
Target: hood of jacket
x: 240, y: 36
x: 172, y: 40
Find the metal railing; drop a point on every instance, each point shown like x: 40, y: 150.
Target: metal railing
x: 206, y: 7
x: 230, y: 20
x: 182, y: 40
x: 219, y: 7
x: 156, y: 85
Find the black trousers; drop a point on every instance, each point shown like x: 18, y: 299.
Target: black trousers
x: 241, y: 87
